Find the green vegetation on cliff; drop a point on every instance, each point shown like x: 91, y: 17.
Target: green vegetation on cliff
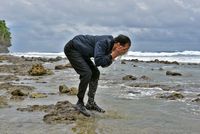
x: 5, y: 35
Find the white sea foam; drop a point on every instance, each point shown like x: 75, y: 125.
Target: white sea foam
x: 184, y: 57
x: 39, y: 54
x: 161, y: 54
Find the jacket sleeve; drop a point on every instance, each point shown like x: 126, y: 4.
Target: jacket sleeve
x: 100, y: 57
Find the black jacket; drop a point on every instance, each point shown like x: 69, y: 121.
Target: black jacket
x: 99, y: 47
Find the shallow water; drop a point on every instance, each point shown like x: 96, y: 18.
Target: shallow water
x: 127, y: 113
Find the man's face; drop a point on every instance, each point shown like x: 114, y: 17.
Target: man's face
x: 122, y: 49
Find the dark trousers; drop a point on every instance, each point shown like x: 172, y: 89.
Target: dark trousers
x: 89, y: 73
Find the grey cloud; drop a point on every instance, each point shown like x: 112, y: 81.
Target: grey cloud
x: 47, y: 25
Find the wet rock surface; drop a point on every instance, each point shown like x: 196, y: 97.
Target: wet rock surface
x: 70, y: 91
x: 129, y: 77
x: 38, y: 70
x: 133, y: 92
x: 64, y: 89
x: 17, y: 69
x: 18, y: 92
x: 60, y: 67
x: 144, y: 77
x: 171, y: 96
x: 196, y: 100
x: 8, y: 78
x: 3, y: 102
x: 173, y: 73
x: 38, y: 95
x: 36, y: 108
x: 61, y: 112
x: 163, y: 62
x: 154, y: 61
x: 123, y: 62
x: 73, y: 91
x: 10, y: 87
x: 151, y: 85
x: 58, y: 58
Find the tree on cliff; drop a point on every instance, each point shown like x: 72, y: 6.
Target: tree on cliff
x: 5, y: 37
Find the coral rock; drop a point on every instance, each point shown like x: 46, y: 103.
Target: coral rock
x: 38, y: 69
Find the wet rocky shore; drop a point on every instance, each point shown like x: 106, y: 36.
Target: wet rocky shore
x: 14, y: 90
x: 11, y: 68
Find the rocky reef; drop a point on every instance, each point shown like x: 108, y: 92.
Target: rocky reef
x: 61, y: 112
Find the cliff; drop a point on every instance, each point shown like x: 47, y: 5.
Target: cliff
x: 5, y: 37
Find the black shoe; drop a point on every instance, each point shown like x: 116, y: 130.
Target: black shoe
x: 81, y: 108
x: 94, y: 106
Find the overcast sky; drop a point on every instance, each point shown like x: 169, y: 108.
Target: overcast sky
x: 153, y: 25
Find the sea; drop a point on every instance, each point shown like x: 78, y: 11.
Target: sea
x: 182, y: 57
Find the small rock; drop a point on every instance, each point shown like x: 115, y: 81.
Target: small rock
x: 38, y: 95
x: 198, y: 95
x: 135, y: 60
x: 40, y: 81
x: 173, y: 73
x: 196, y: 100
x: 73, y: 91
x: 58, y: 58
x: 29, y: 108
x: 3, y: 102
x: 49, y: 72
x: 37, y: 70
x: 18, y: 92
x: 68, y: 65
x: 145, y: 77
x: 2, y: 58
x: 123, y: 62
x: 52, y: 93
x: 133, y: 92
x: 129, y: 77
x: 171, y: 96
x: 161, y: 69
x: 175, y: 62
x: 17, y: 98
x: 60, y: 67
x: 69, y: 91
x: 193, y: 64
x: 64, y: 89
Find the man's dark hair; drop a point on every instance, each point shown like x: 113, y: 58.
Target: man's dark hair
x: 122, y: 39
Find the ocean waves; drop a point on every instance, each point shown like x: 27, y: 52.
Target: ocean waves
x: 182, y: 57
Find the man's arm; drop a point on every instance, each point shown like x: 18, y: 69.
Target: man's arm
x: 100, y: 57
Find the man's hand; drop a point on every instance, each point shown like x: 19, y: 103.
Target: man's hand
x: 118, y: 51
x: 114, y: 54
